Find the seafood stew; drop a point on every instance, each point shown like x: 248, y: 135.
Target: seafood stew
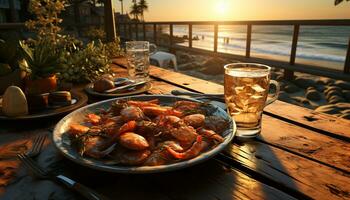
x: 145, y: 133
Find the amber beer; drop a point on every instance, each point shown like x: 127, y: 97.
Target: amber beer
x: 246, y: 91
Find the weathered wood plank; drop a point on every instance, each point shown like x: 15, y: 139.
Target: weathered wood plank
x: 190, y: 35
x: 216, y: 33
x: 158, y: 87
x: 144, y: 31
x: 347, y: 60
x: 328, y: 22
x: 292, y: 171
x: 321, y: 148
x: 206, y: 181
x: 311, y: 119
x: 248, y: 40
x: 180, y: 80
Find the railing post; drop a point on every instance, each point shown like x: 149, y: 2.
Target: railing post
x: 248, y: 42
x: 190, y: 35
x: 347, y: 60
x: 125, y: 31
x: 289, y: 74
x: 155, y: 33
x: 137, y: 31
x: 171, y: 35
x: 130, y: 31
x: 144, y: 31
x: 216, y: 30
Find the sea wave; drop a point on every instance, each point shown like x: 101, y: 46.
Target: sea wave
x: 315, y: 43
x: 285, y: 51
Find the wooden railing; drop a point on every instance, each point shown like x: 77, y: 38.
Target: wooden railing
x: 289, y: 67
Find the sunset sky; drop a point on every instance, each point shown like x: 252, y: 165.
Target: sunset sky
x: 202, y: 10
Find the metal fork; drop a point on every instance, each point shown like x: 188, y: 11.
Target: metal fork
x: 38, y: 143
x: 43, y: 174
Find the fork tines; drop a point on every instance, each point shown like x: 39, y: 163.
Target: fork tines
x: 37, y: 145
x: 31, y: 165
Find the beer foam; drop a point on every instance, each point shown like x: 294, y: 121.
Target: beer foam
x: 247, y: 72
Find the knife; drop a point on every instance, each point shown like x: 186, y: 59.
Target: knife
x: 124, y: 87
x: 83, y: 190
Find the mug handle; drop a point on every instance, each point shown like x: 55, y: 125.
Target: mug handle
x: 154, y: 47
x: 274, y: 97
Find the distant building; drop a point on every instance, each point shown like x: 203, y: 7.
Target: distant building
x: 5, y: 11
x: 122, y: 18
x: 89, y: 15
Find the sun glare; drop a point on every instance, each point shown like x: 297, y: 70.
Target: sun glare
x: 221, y: 8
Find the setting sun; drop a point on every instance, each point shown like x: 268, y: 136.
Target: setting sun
x: 221, y: 8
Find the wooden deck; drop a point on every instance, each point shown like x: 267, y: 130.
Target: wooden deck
x: 300, y: 154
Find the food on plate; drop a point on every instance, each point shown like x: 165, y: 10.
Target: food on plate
x: 147, y: 133
x: 14, y: 102
x: 60, y: 98
x: 103, y: 84
x: 38, y: 102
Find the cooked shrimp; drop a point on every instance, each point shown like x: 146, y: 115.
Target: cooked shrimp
x: 153, y: 111
x: 128, y: 127
x: 131, y: 113
x: 160, y: 155
x: 194, y: 120
x: 185, y: 105
x: 184, y: 134
x: 167, y: 120
x: 77, y: 129
x: 118, y: 106
x: 93, y: 119
x: 192, y: 152
x: 210, y: 134
x: 215, y: 123
x: 133, y: 141
x: 96, y: 146
x: 153, y: 103
x: 134, y: 157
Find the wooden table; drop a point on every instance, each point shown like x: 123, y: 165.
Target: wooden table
x: 300, y: 154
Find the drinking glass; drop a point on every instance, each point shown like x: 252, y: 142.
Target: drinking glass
x: 246, y: 91
x: 137, y: 55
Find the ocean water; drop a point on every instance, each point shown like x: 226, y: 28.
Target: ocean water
x: 325, y: 46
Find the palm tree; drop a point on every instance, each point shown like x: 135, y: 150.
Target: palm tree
x: 339, y: 1
x: 122, y: 6
x: 142, y: 8
x: 135, y: 11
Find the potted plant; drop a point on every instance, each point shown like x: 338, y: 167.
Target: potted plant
x: 41, y: 62
x: 10, y: 73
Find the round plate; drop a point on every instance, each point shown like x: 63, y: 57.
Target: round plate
x: 80, y: 100
x: 62, y: 141
x: 90, y: 90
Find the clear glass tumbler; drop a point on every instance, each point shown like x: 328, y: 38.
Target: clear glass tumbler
x: 246, y: 91
x: 137, y: 55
